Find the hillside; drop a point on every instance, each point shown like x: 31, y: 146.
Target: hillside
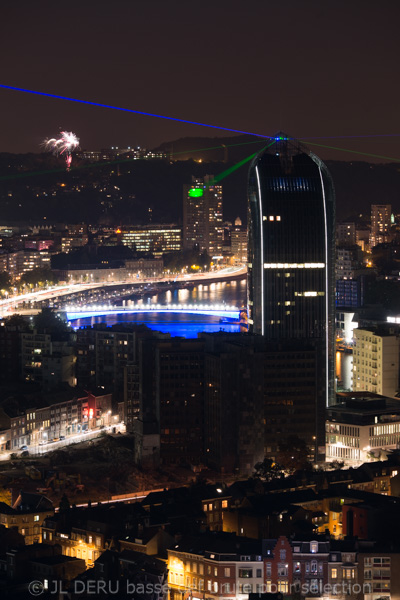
x: 36, y: 187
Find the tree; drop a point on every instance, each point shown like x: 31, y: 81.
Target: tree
x: 335, y: 465
x: 17, y: 321
x: 39, y: 276
x: 47, y: 321
x: 64, y: 503
x: 176, y: 261
x: 385, y: 293
x: 5, y: 283
x: 268, y: 470
x: 294, y: 454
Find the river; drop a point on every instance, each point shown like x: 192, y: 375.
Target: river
x: 232, y: 293
x: 344, y: 371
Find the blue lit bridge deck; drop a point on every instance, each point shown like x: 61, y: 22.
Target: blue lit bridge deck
x: 212, y: 310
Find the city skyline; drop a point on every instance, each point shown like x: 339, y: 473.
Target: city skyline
x: 195, y: 403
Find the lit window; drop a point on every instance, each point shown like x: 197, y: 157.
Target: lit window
x: 283, y: 586
x: 271, y: 218
x: 294, y: 265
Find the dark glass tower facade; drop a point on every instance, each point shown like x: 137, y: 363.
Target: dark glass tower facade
x: 291, y: 253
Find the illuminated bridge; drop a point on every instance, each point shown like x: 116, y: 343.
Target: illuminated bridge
x: 211, y: 310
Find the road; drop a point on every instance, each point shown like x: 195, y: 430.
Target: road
x: 40, y: 450
x: 8, y: 306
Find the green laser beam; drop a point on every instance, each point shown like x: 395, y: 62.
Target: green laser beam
x: 113, y: 162
x: 62, y: 169
x: 216, y: 147
x: 230, y: 170
x: 132, y: 160
x: 353, y: 151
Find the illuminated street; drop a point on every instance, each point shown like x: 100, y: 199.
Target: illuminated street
x: 45, y: 448
x: 9, y: 306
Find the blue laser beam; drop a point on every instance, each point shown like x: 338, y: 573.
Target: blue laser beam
x: 131, y: 110
x: 198, y: 123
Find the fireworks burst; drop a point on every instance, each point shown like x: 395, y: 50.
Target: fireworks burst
x: 65, y: 144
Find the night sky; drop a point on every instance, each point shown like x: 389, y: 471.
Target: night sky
x: 309, y: 68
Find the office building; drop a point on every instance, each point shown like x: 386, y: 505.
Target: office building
x: 351, y: 276
x: 291, y: 258
x: 380, y: 224
x: 350, y: 292
x: 202, y: 216
x: 293, y: 396
x: 233, y: 402
x: 361, y: 428
x: 152, y: 239
x: 171, y: 395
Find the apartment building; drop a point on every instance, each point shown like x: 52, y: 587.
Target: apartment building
x: 40, y: 425
x: 48, y: 359
x: 27, y: 515
x: 376, y: 360
x: 215, y: 567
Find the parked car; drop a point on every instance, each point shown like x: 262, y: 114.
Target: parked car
x: 62, y: 437
x: 24, y: 448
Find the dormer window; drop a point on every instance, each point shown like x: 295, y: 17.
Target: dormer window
x: 314, y: 547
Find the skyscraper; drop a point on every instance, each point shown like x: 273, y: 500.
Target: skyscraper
x: 202, y: 216
x: 291, y: 255
x: 380, y: 224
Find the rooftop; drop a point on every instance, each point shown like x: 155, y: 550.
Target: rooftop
x: 364, y: 409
